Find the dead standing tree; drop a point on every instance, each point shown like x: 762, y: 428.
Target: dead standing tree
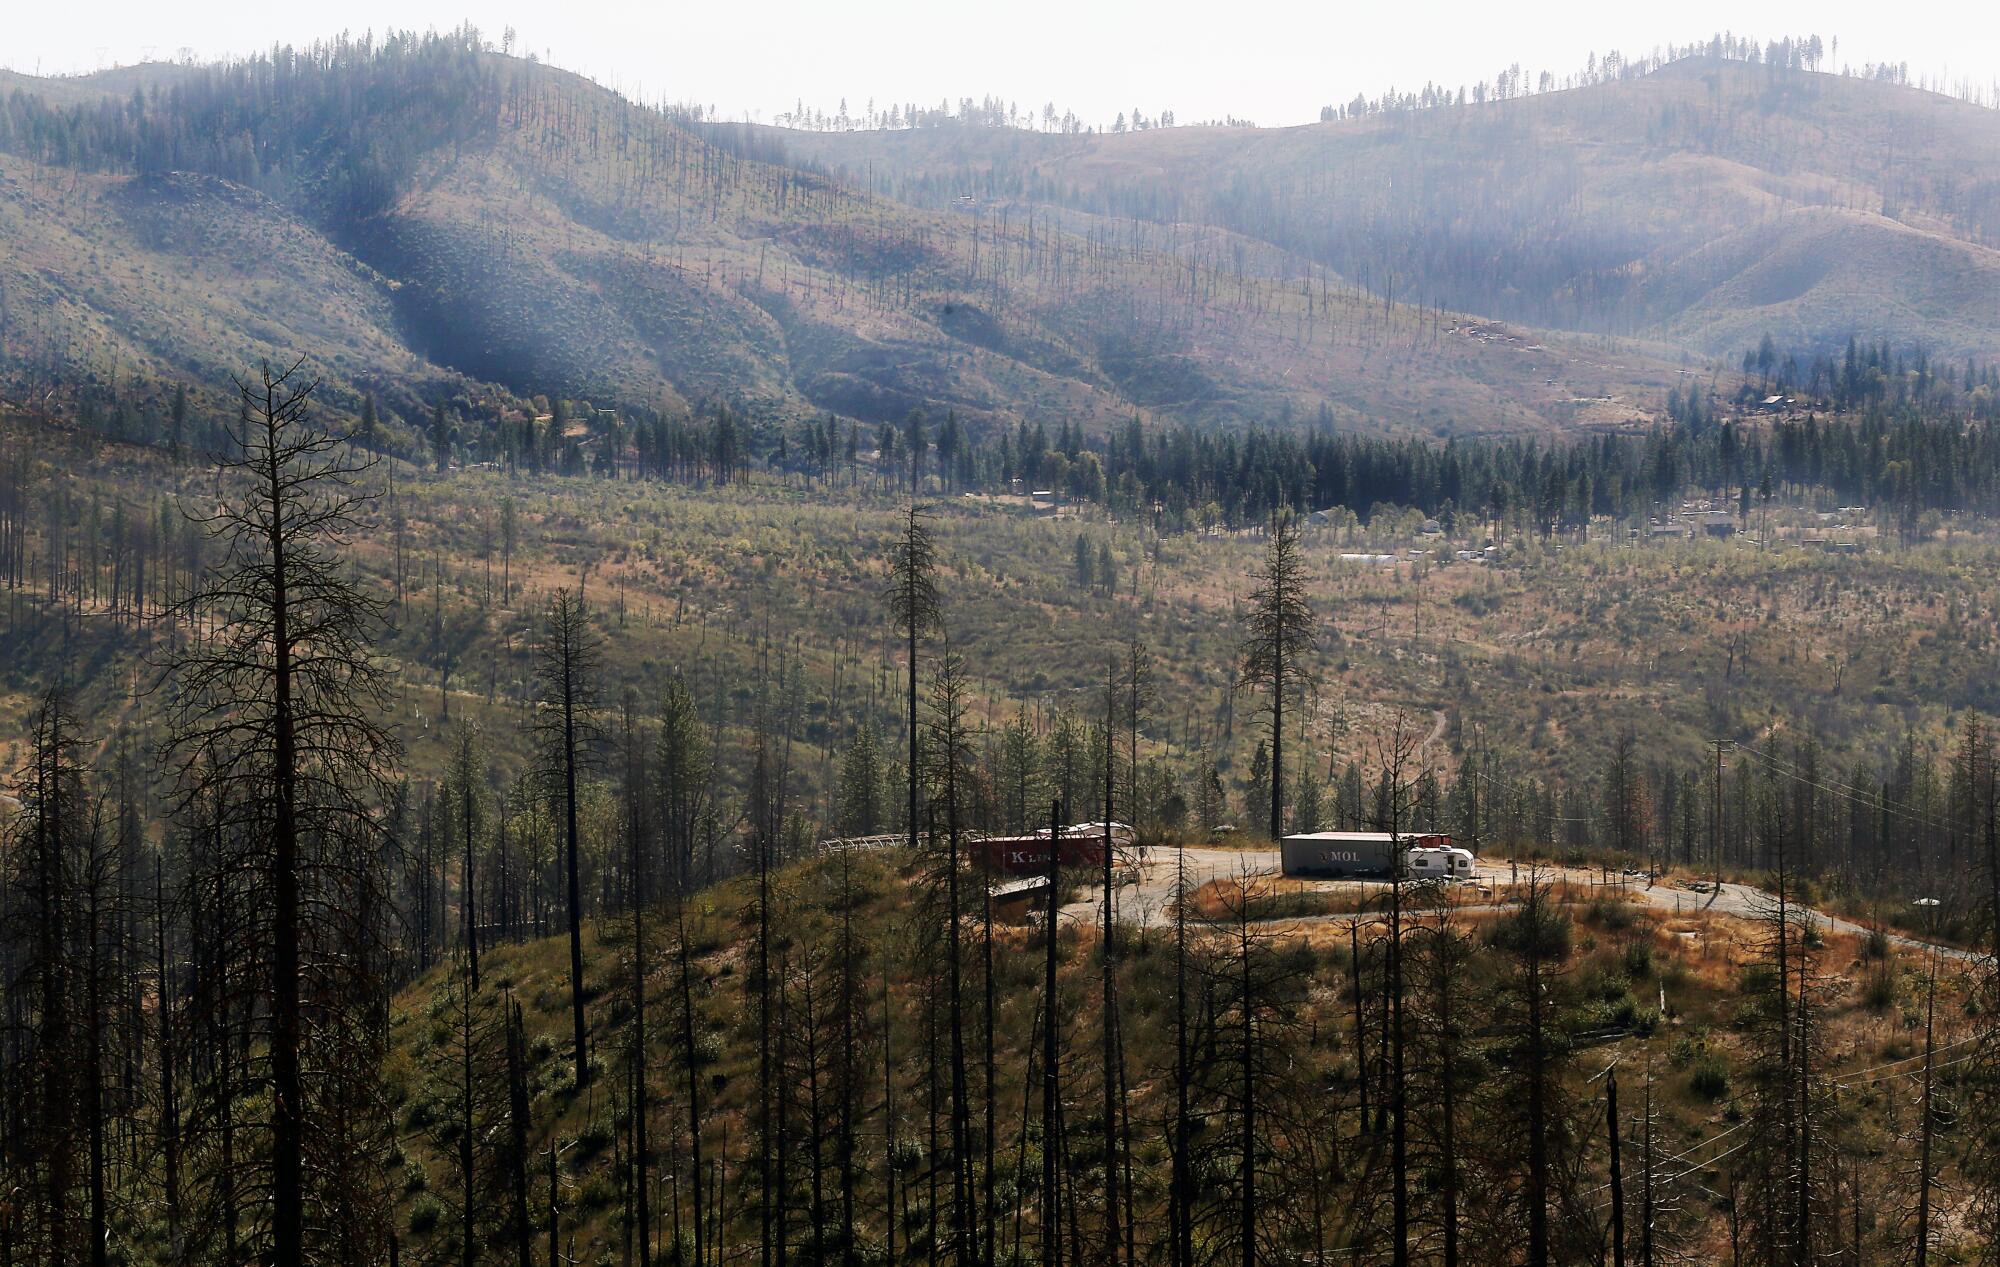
x: 1397, y: 753
x: 566, y: 730
x: 270, y: 728
x: 463, y: 776
x: 916, y: 608
x: 949, y: 755
x: 1530, y: 1108
x: 1277, y: 637
x: 1440, y: 1033
x: 1256, y: 997
x: 41, y: 982
x: 469, y: 1077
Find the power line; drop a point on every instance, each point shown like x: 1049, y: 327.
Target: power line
x: 1526, y: 793
x: 1856, y: 1073
x: 1688, y: 1151
x: 1874, y: 801
x: 1667, y: 1181
x: 1864, y: 798
x: 1911, y: 1073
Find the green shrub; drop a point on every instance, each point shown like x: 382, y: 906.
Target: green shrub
x: 594, y: 1138
x: 708, y: 1049
x: 422, y: 1112
x: 1544, y: 936
x: 1685, y: 1050
x: 1710, y: 1079
x: 1608, y: 986
x: 1611, y: 915
x: 1756, y: 979
x: 425, y: 1214
x: 598, y: 1192
x: 1878, y: 988
x: 1619, y: 1013
x: 558, y: 1078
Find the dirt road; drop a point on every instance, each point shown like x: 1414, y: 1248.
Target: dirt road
x: 1749, y: 902
x: 1145, y: 898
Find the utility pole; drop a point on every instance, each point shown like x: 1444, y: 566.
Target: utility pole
x: 1646, y: 1195
x: 1051, y: 1176
x: 1108, y: 954
x: 1715, y: 842
x: 1930, y: 905
x: 1617, y: 1172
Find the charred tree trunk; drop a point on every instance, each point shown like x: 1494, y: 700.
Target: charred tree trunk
x: 1051, y: 1077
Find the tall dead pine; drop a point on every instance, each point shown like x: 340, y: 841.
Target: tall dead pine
x: 566, y: 728
x: 271, y: 719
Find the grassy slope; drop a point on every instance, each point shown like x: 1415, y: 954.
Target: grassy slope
x: 656, y: 270
x: 1622, y: 962
x: 184, y: 278
x: 1666, y: 207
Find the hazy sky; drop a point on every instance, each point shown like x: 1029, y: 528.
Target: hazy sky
x: 1260, y: 59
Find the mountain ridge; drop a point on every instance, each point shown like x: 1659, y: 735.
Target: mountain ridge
x: 424, y: 218
x: 1560, y: 210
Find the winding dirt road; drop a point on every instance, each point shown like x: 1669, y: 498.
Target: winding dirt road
x: 1143, y: 899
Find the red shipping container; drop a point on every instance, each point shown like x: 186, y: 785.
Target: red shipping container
x: 1029, y: 855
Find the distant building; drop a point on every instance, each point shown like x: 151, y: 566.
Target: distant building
x: 1123, y: 835
x: 1013, y: 899
x: 1718, y: 523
